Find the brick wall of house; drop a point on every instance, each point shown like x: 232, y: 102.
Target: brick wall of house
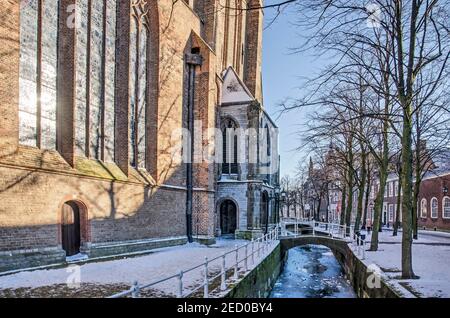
x: 433, y: 188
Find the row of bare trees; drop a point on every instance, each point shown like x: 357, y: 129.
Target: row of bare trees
x: 382, y: 96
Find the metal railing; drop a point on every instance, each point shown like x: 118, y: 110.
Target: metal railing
x: 253, y: 252
x: 333, y: 230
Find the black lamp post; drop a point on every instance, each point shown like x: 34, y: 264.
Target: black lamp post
x: 283, y: 200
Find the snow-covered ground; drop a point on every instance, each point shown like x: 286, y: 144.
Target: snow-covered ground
x: 431, y: 256
x: 144, y: 269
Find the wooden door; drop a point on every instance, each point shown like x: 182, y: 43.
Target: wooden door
x: 70, y: 229
x: 228, y: 213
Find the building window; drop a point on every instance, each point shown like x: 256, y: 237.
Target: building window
x: 138, y: 83
x: 391, y: 189
x: 230, y: 147
x: 434, y: 208
x: 38, y: 72
x: 95, y: 71
x: 423, y: 208
x: 268, y: 142
x: 446, y: 208
x: 391, y: 213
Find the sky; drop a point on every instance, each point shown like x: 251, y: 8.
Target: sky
x: 282, y: 72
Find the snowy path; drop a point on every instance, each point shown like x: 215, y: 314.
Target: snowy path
x: 145, y: 269
x: 431, y: 256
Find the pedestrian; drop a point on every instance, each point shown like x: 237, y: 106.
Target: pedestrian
x: 362, y: 235
x: 369, y: 226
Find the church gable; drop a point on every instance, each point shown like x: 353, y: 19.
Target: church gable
x: 234, y: 90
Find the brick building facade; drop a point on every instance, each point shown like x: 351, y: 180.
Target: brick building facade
x: 433, y: 208
x: 433, y: 203
x: 91, y: 94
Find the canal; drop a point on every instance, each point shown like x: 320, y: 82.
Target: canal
x: 312, y: 272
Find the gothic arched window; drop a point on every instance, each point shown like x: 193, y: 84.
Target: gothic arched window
x: 139, y: 78
x: 95, y: 72
x: 230, y: 147
x: 268, y: 142
x: 38, y: 72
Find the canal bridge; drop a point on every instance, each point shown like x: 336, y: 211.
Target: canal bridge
x: 262, y: 251
x: 338, y: 238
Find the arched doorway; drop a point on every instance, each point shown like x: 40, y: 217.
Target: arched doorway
x: 264, y: 211
x: 71, y: 228
x: 228, y: 217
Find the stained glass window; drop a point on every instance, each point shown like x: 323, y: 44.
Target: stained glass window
x: 138, y: 86
x: 38, y: 69
x: 230, y: 147
x: 95, y: 73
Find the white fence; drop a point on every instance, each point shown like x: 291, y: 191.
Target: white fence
x: 242, y: 257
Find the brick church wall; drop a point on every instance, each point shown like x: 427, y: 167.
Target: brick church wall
x: 122, y: 203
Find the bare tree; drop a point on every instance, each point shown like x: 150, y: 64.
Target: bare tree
x: 406, y: 39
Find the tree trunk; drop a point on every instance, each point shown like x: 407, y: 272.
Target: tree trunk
x: 348, y: 213
x: 327, y: 219
x: 319, y: 203
x: 350, y: 181
x: 406, y: 93
x: 378, y: 209
x: 381, y: 218
x: 343, y: 205
x: 416, y: 192
x: 407, y: 202
x: 397, y: 213
x: 362, y: 186
x: 418, y: 177
x: 366, y: 202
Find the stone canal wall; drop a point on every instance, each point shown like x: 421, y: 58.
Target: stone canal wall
x: 357, y: 271
x: 259, y: 282
x: 365, y: 283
